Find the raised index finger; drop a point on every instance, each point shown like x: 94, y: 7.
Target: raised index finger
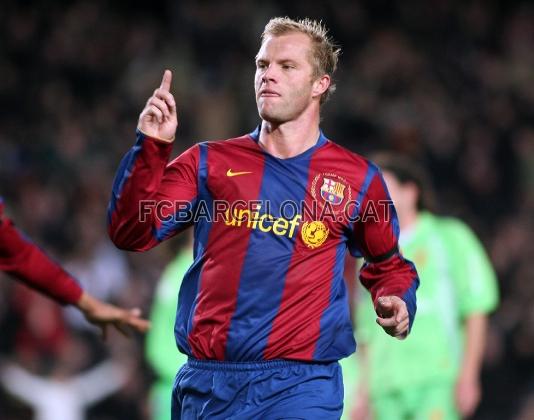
x: 166, y: 81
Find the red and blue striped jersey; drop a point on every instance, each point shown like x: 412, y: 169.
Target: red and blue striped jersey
x: 270, y: 241
x: 28, y: 263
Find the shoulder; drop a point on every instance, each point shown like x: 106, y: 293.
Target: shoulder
x: 244, y: 141
x: 451, y: 224
x: 344, y: 153
x: 353, y: 160
x: 200, y: 149
x: 456, y: 230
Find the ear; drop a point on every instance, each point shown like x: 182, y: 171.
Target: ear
x: 320, y: 85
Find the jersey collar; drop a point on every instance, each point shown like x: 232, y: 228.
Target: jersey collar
x: 255, y: 135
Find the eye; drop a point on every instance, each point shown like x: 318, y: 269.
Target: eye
x: 261, y: 66
x: 287, y: 66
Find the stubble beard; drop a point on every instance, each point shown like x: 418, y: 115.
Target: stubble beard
x: 273, y: 116
x: 280, y: 113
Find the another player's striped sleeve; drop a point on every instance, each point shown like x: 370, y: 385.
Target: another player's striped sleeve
x: 385, y: 272
x: 152, y: 201
x: 26, y: 262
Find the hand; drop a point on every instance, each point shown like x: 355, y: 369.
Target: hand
x: 361, y: 409
x: 158, y: 119
x: 103, y: 314
x: 393, y: 316
x: 467, y: 395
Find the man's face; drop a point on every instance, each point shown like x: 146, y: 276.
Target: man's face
x: 284, y: 77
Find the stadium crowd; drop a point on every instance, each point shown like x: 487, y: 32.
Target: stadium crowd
x: 449, y: 83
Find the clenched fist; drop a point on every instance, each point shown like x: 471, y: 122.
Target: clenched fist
x: 158, y: 119
x: 393, y: 316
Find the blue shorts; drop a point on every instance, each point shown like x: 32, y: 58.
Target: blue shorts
x: 206, y: 389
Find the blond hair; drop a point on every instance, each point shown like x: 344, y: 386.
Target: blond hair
x: 324, y: 52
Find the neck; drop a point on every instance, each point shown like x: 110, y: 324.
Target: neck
x: 289, y: 139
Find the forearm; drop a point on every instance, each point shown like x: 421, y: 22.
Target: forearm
x: 361, y: 396
x: 28, y: 263
x: 386, y: 273
x: 395, y: 276
x: 363, y: 366
x: 475, y: 338
x: 100, y: 382
x: 22, y: 384
x: 131, y: 215
x: 86, y: 303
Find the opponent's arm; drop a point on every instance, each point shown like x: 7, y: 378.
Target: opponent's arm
x: 361, y: 408
x: 25, y: 261
x: 103, y: 314
x: 468, y: 389
x: 477, y: 296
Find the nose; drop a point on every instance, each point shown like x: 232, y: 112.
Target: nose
x: 269, y: 75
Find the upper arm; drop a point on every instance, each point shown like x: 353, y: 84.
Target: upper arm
x: 152, y: 200
x: 473, y: 274
x: 375, y: 236
x: 376, y: 231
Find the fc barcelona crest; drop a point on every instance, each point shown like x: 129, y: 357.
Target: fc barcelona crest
x: 332, y: 191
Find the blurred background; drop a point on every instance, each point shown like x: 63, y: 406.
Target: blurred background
x: 449, y: 83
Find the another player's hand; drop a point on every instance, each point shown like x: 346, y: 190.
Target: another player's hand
x: 361, y: 409
x: 159, y: 119
x: 393, y: 316
x: 103, y: 314
x: 467, y: 396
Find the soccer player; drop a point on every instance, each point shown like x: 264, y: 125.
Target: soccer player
x: 435, y: 374
x: 263, y: 311
x: 27, y: 263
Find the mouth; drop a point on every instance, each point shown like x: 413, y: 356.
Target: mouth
x: 266, y: 93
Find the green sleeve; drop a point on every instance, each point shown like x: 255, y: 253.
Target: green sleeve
x: 365, y: 316
x: 161, y: 351
x: 475, y: 279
